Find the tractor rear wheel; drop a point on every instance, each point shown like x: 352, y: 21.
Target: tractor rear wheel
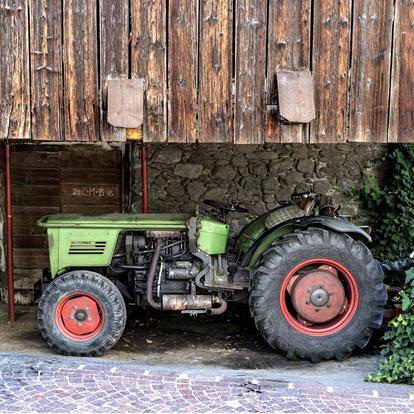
x: 81, y: 313
x: 317, y: 295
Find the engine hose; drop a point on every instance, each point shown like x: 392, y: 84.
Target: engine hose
x: 220, y: 310
x: 151, y: 276
x: 200, y: 276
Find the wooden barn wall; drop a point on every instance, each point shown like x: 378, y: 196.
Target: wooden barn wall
x: 288, y: 49
x: 53, y: 180
x: 209, y: 68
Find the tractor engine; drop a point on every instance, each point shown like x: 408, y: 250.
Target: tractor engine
x: 174, y: 270
x: 162, y: 272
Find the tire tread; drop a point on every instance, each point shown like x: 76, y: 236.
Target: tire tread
x: 78, y: 281
x: 263, y: 275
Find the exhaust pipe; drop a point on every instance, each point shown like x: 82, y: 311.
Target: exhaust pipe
x: 180, y: 302
x: 186, y: 302
x: 151, y: 276
x: 194, y: 303
x: 220, y: 310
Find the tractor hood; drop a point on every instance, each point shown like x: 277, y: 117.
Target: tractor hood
x: 118, y: 221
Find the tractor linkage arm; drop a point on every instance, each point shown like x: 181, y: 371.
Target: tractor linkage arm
x: 399, y: 265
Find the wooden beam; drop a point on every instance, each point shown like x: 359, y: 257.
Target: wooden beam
x: 114, y: 49
x: 288, y: 49
x: 14, y: 70
x: 149, y: 62
x: 81, y: 100
x: 46, y: 69
x: 371, y: 70
x: 331, y: 47
x: 251, y: 21
x: 402, y: 83
x: 183, y: 60
x: 215, y: 68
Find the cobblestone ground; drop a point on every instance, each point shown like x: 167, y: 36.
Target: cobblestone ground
x: 39, y: 384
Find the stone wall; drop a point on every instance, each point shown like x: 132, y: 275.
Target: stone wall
x: 181, y: 176
x: 256, y: 176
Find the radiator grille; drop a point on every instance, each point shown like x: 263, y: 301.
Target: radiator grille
x: 87, y: 247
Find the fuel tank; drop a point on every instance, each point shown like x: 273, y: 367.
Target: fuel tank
x: 213, y: 236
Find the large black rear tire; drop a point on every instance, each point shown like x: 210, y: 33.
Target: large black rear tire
x: 273, y: 317
x: 81, y: 313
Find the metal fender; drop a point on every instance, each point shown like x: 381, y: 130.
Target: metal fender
x: 267, y: 239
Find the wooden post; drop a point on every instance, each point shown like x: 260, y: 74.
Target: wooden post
x: 9, y: 226
x: 144, y: 177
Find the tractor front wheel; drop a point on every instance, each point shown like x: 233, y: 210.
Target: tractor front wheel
x: 317, y: 295
x: 81, y: 313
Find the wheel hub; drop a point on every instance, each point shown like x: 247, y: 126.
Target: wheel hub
x: 80, y: 316
x: 318, y: 296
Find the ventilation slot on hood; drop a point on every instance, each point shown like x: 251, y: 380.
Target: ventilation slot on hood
x: 87, y: 247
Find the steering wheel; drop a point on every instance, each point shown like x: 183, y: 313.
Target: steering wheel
x: 226, y: 207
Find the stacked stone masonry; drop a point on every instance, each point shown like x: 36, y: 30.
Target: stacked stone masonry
x: 256, y: 176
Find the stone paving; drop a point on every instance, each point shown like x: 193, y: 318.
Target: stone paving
x: 49, y: 384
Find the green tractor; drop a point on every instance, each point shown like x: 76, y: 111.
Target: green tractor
x: 314, y: 289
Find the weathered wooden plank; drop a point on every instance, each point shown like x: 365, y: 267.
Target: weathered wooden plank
x: 288, y: 49
x: 29, y: 230
x: 91, y: 194
x: 42, y: 186
x: 331, y: 47
x: 30, y: 242
x: 14, y: 70
x: 34, y: 258
x: 46, y: 68
x: 114, y: 49
x: 90, y: 160
x: 35, y: 190
x: 81, y: 102
x: 183, y: 59
x: 149, y: 62
x: 215, y: 68
x: 80, y: 176
x: 34, y: 201
x: 90, y: 209
x: 371, y: 67
x: 26, y: 176
x: 402, y: 87
x: 28, y: 215
x: 251, y: 21
x: 33, y: 159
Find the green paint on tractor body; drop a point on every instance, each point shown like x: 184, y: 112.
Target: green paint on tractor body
x: 188, y: 263
x: 77, y: 241
x: 213, y: 237
x: 137, y: 222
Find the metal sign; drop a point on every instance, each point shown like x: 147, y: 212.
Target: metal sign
x: 126, y: 103
x: 296, y: 97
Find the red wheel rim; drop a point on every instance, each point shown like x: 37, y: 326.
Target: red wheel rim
x: 336, y: 324
x: 80, y: 316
